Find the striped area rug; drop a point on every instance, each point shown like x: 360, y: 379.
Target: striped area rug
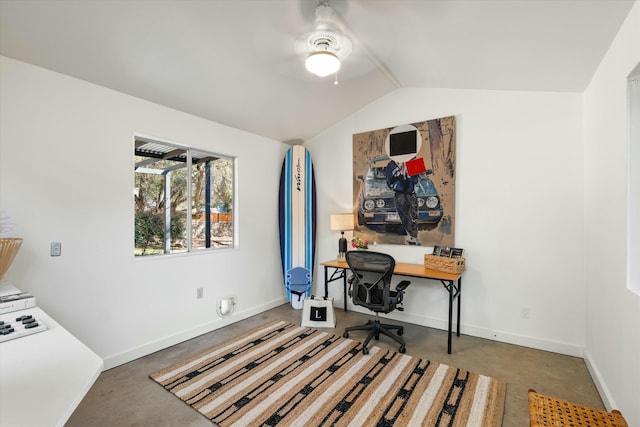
x: 286, y: 375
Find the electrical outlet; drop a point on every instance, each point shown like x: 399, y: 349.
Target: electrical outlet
x: 199, y: 293
x: 226, y: 306
x: 525, y: 312
x: 56, y: 249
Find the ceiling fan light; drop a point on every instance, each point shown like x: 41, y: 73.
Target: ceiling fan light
x: 322, y: 63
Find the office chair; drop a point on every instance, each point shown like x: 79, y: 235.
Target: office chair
x: 370, y: 287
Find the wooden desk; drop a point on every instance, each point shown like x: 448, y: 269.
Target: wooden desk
x: 451, y: 282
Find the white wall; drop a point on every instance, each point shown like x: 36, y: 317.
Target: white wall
x: 613, y: 311
x: 519, y: 201
x: 66, y: 174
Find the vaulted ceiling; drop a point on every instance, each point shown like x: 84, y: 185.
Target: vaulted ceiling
x: 234, y: 62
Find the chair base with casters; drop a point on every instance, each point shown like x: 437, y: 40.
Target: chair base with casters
x: 375, y: 327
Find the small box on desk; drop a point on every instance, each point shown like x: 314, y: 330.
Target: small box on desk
x: 448, y: 265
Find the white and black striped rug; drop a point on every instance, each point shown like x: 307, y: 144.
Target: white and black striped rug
x: 286, y: 375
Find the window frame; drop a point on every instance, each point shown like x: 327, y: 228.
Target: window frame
x: 633, y: 181
x: 187, y: 155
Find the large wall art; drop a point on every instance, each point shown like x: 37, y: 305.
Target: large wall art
x: 404, y: 181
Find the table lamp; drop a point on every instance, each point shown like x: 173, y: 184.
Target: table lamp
x: 342, y: 222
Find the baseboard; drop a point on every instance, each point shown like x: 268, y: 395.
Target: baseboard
x: 525, y: 341
x: 598, y: 380
x: 500, y: 336
x: 151, y: 347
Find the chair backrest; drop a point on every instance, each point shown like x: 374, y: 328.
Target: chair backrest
x: 372, y: 272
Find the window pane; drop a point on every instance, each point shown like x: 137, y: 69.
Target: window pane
x: 160, y: 196
x: 212, y: 189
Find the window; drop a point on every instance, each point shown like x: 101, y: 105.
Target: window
x: 633, y: 252
x: 183, y: 199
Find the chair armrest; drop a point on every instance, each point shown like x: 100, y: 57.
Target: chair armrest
x: 403, y: 285
x: 352, y: 278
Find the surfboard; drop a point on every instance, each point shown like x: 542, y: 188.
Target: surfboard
x: 297, y: 218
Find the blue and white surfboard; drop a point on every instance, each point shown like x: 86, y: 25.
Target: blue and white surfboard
x: 297, y: 205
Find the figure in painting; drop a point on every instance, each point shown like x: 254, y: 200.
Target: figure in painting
x: 403, y: 187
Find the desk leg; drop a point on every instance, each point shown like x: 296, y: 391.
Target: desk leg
x: 344, y: 288
x: 337, y: 274
x: 326, y: 282
x: 451, y: 289
x: 459, y: 298
x: 454, y: 292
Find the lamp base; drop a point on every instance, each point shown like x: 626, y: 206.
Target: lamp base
x: 342, y: 245
x: 341, y: 257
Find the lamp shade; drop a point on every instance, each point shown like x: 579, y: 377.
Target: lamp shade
x: 341, y: 222
x: 322, y: 63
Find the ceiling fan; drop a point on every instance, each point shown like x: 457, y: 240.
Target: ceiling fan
x: 327, y: 45
x: 306, y: 31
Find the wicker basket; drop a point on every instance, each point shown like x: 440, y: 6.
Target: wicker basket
x: 548, y: 411
x: 448, y: 265
x: 9, y: 247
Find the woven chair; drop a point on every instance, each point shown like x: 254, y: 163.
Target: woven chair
x: 546, y: 411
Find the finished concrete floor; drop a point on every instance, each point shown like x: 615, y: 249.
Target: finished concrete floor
x: 126, y: 396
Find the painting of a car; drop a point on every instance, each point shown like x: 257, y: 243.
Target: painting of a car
x: 376, y: 206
